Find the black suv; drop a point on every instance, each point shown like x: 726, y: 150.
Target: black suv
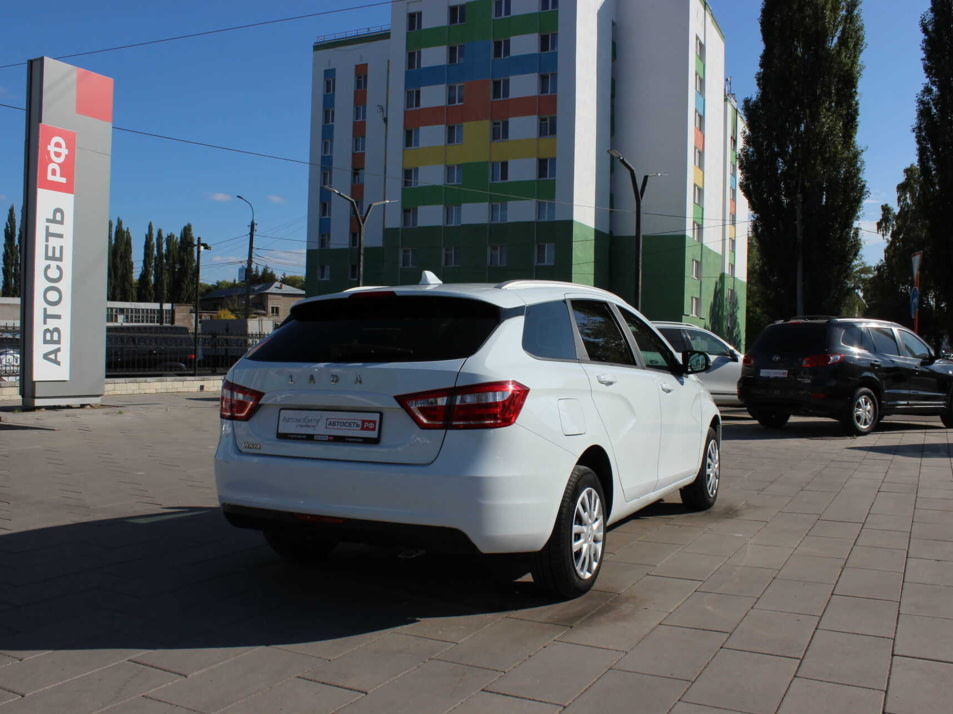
x: 854, y: 370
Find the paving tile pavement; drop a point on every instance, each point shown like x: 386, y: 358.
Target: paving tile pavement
x: 822, y: 581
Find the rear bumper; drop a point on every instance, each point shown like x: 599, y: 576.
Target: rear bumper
x: 805, y: 399
x: 499, y: 488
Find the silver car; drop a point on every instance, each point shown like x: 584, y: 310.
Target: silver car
x: 722, y: 379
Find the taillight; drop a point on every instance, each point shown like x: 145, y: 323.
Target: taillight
x: 822, y: 360
x: 747, y: 361
x: 238, y: 403
x: 479, y: 406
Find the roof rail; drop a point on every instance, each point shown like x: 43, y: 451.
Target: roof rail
x: 810, y: 317
x: 511, y: 284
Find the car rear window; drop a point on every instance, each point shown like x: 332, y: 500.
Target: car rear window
x: 788, y: 338
x: 390, y: 328
x: 547, y: 331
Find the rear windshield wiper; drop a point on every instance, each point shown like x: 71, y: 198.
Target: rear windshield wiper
x: 340, y: 352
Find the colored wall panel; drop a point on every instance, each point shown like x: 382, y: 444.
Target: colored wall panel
x: 699, y: 177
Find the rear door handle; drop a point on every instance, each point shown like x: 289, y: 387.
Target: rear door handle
x: 667, y: 388
x: 606, y: 380
x: 875, y: 363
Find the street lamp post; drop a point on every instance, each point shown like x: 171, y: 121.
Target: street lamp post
x: 199, y: 246
x: 361, y: 221
x: 251, y: 248
x: 639, y: 192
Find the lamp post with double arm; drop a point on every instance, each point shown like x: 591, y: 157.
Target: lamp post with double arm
x: 361, y: 222
x: 251, y: 248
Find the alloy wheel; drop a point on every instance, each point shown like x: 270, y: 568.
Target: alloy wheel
x: 588, y: 533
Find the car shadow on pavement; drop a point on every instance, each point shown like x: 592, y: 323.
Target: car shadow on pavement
x: 804, y: 428
x: 185, y: 579
x: 913, y: 451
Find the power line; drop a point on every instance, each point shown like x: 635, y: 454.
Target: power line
x: 218, y: 31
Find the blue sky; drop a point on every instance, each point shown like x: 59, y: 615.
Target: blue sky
x: 250, y: 89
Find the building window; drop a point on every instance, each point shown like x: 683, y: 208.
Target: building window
x: 456, y: 54
x: 501, y: 48
x: 413, y: 59
x: 733, y: 245
x: 451, y: 257
x: 500, y: 130
x: 357, y: 176
x: 698, y: 195
x: 326, y: 147
x: 273, y: 309
x: 452, y: 215
x: 358, y: 144
x: 415, y: 21
x: 355, y: 239
x: 699, y: 158
x: 545, y: 211
x: 329, y: 116
x: 732, y: 170
x: 329, y: 85
x: 545, y: 254
x: 501, y: 88
x: 409, y: 218
x: 496, y: 255
x: 699, y: 48
x: 549, y: 43
x: 696, y: 307
x: 697, y: 231
x: 699, y: 84
x: 455, y: 133
x: 325, y: 209
x: 324, y: 272
x: 731, y: 269
x: 325, y: 177
x: 454, y: 174
x: 545, y: 5
x: 413, y: 99
x: 733, y: 219
x: 502, y: 8
x: 360, y: 112
x: 546, y: 168
x: 411, y: 138
x: 352, y: 271
x: 457, y: 15
x: 498, y: 212
x: 733, y: 143
x: 733, y: 194
x: 410, y: 177
x: 547, y: 83
x: 324, y: 240
x: 696, y: 269
x: 454, y: 94
x: 360, y: 81
x: 547, y: 126
x: 500, y: 171
x: 699, y: 121
x: 408, y: 257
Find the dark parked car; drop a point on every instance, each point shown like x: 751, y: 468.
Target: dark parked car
x: 148, y: 348
x: 854, y: 370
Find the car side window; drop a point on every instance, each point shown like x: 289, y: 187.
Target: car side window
x: 675, y: 338
x: 913, y: 346
x: 655, y: 352
x: 600, y: 333
x: 884, y: 342
x: 853, y: 336
x: 706, y: 343
x: 547, y: 331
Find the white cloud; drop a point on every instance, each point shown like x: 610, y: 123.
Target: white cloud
x: 2, y: 197
x: 276, y: 199
x: 219, y: 258
x: 220, y: 197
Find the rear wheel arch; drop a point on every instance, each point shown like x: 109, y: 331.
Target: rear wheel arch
x: 874, y: 386
x: 596, y: 458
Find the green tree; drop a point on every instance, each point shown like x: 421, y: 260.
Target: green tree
x: 756, y: 313
x: 126, y: 288
x: 294, y: 281
x: 145, y: 290
x: 171, y: 269
x: 802, y: 170
x: 934, y: 136
x: 159, y: 269
x: 11, y: 257
x: 110, y: 264
x: 183, y: 287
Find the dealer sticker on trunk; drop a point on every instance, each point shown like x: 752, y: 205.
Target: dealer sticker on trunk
x: 773, y: 373
x: 329, y: 426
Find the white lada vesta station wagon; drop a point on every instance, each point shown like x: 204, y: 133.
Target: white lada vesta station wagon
x: 524, y: 417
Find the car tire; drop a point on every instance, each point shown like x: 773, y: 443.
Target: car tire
x: 701, y: 494
x: 947, y: 415
x: 298, y: 546
x: 863, y: 413
x: 571, y: 560
x: 770, y: 419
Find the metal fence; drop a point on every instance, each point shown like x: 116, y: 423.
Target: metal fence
x: 149, y: 351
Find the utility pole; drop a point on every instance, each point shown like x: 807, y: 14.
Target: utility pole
x: 251, y: 248
x: 361, y: 221
x: 199, y: 246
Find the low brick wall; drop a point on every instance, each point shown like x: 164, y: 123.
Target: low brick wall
x: 137, y: 385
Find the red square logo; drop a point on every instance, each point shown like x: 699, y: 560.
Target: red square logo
x: 94, y: 95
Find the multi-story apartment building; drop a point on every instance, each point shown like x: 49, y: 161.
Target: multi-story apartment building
x: 487, y: 125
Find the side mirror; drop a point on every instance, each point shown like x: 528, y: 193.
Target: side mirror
x: 927, y: 361
x: 734, y: 356
x: 694, y: 362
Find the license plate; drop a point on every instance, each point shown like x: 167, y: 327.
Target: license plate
x: 329, y: 426
x: 773, y: 373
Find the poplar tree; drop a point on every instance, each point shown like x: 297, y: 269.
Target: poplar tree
x: 171, y: 268
x: 934, y: 137
x: 127, y: 280
x: 144, y: 289
x: 11, y: 257
x: 159, y: 269
x: 802, y: 170
x: 110, y: 264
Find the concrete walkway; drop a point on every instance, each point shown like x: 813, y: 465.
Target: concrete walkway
x: 821, y: 582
